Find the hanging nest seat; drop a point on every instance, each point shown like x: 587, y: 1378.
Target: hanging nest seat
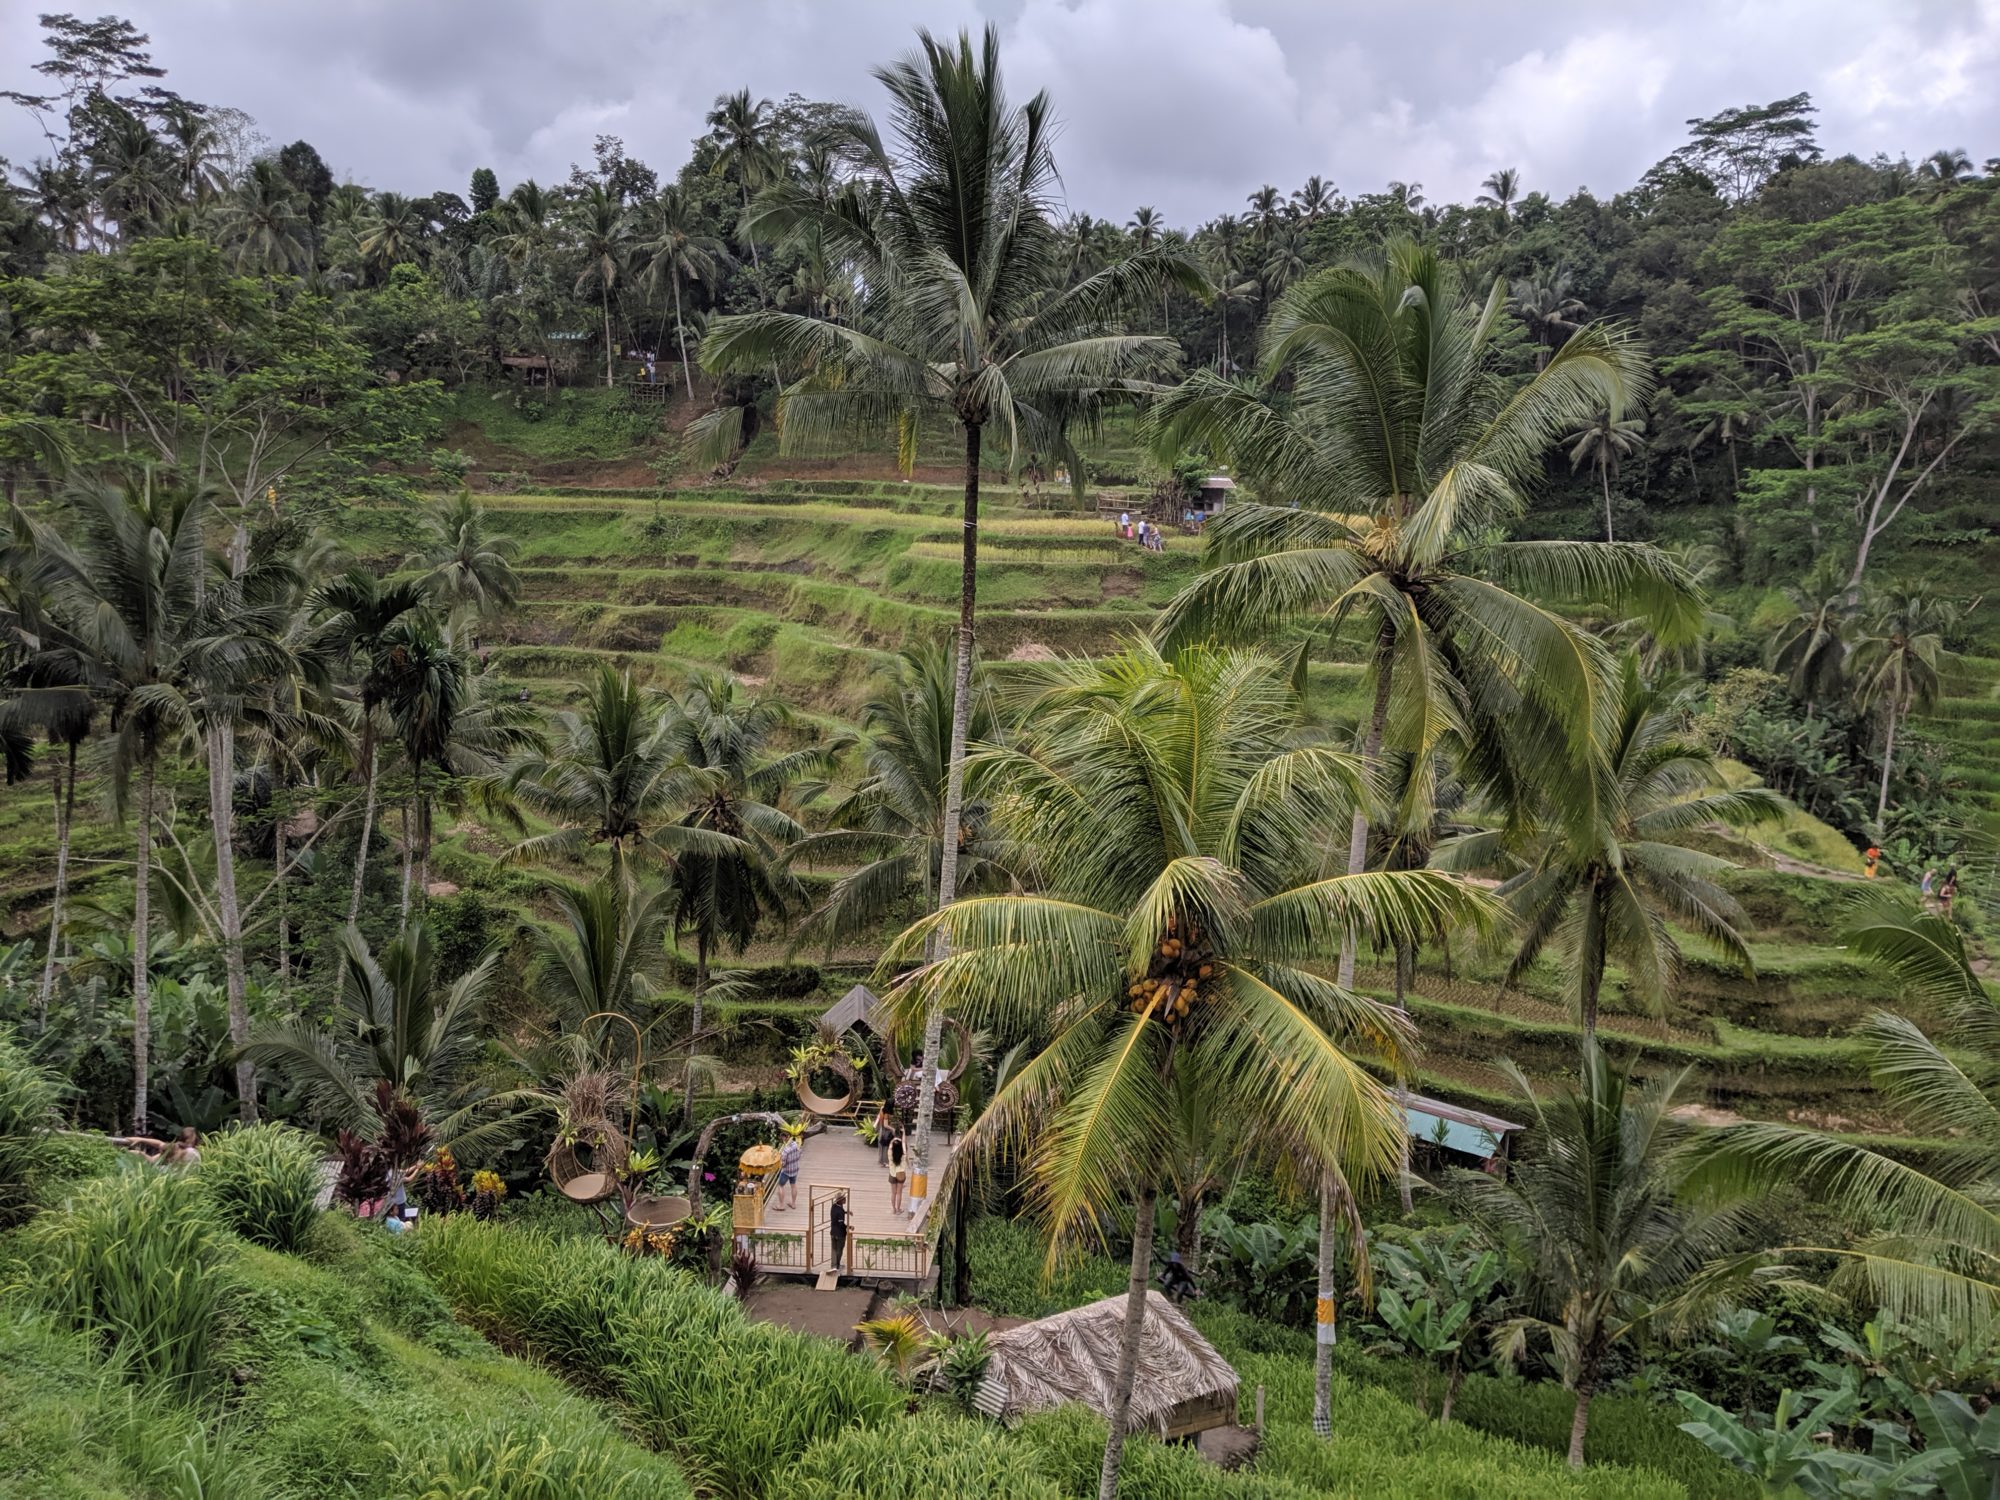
x: 817, y: 1104
x: 654, y: 1211
x: 582, y: 1162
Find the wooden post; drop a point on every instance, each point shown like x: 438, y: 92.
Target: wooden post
x: 1260, y: 1411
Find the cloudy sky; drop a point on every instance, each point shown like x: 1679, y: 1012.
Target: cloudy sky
x: 1184, y: 104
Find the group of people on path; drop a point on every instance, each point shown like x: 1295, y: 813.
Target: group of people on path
x: 1146, y: 533
x: 1933, y: 895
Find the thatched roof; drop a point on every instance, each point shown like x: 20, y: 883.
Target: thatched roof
x: 1073, y: 1358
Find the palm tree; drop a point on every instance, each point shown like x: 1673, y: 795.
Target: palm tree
x: 731, y: 875
x: 1594, y: 1222
x: 1284, y: 262
x: 1946, y: 168
x: 608, y: 955
x: 894, y: 820
x: 1549, y: 308
x: 392, y: 231
x: 1267, y: 212
x: 195, y: 151
x: 132, y: 174
x: 1809, y: 649
x: 1402, y: 450
x: 743, y: 136
x: 360, y: 620
x: 392, y: 1022
x: 1178, y: 829
x: 1607, y: 440
x: 612, y: 778
x: 264, y: 219
x: 965, y: 318
x: 604, y: 236
x: 1936, y: 1252
x: 464, y: 565
x: 1313, y: 200
x: 1145, y: 226
x: 1897, y: 667
x: 1502, y: 188
x: 1600, y: 864
x: 154, y: 623
x: 674, y: 248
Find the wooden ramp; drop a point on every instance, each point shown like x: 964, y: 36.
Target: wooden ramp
x: 882, y: 1245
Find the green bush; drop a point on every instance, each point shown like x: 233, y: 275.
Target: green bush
x: 29, y: 1153
x: 736, y: 1402
x: 265, y: 1182
x: 927, y: 1458
x: 135, y: 1259
x: 1007, y: 1272
x: 1067, y: 1445
x: 503, y: 1461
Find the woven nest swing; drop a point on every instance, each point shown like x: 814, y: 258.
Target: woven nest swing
x: 584, y: 1166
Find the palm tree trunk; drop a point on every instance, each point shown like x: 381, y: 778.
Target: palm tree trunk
x: 222, y: 824
x: 954, y: 800
x: 1604, y: 477
x: 65, y: 794
x: 142, y: 916
x: 284, y: 912
x: 680, y: 332
x: 368, y: 757
x: 423, y: 799
x: 1128, y: 1343
x: 694, y: 1031
x: 1324, y: 1315
x: 1888, y: 762
x: 1405, y: 965
x: 1590, y: 963
x: 1579, y: 1422
x: 409, y: 854
x: 604, y: 289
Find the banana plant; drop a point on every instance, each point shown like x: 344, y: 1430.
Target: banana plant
x: 1787, y: 1455
x: 1432, y: 1331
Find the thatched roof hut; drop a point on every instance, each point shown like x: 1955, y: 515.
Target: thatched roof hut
x: 1183, y: 1386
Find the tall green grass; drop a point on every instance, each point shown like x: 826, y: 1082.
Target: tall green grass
x: 135, y: 1260
x: 29, y: 1095
x: 926, y: 1458
x: 735, y: 1401
x: 498, y: 1460
x: 264, y: 1182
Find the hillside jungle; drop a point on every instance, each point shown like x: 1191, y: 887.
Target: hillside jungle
x: 437, y: 631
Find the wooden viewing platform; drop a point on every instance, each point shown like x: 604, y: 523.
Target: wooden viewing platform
x: 881, y: 1246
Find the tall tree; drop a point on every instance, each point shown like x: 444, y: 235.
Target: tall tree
x: 1604, y: 445
x: 742, y: 134
x: 603, y: 232
x: 1897, y: 667
x: 966, y: 319
x: 1501, y: 188
x: 1600, y: 863
x: 1401, y: 451
x: 675, y: 249
x: 464, y: 564
x: 1594, y: 1220
x: 1178, y: 829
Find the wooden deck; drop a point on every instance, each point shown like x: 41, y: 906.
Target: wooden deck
x: 798, y: 1239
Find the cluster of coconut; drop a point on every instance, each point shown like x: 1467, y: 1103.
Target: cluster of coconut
x: 1180, y: 965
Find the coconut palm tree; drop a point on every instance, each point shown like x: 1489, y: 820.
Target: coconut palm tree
x: 464, y: 565
x: 742, y: 133
x: 1551, y: 311
x: 132, y: 174
x: 1809, y: 648
x: 195, y: 151
x: 1946, y: 168
x: 1179, y: 832
x: 1502, y: 188
x: 1145, y: 226
x: 1314, y: 199
x: 1935, y: 1252
x: 392, y: 1021
x: 359, y: 615
x: 730, y: 874
x: 608, y: 955
x: 966, y: 317
x: 160, y: 632
x: 1267, y: 212
x: 1607, y: 441
x: 392, y: 232
x: 673, y: 247
x: 1594, y: 1220
x: 612, y: 779
x: 893, y: 822
x: 1402, y: 449
x: 603, y: 234
x: 1600, y: 864
x: 1897, y: 666
x: 265, y: 222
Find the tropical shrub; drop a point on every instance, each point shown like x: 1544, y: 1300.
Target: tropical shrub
x: 927, y: 1458
x: 264, y: 1182
x: 735, y: 1401
x: 1268, y: 1270
x: 136, y: 1262
x: 502, y: 1461
x: 29, y: 1095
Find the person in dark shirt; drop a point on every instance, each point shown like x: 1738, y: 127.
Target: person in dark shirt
x: 839, y: 1218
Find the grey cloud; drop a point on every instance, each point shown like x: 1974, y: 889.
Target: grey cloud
x: 1186, y: 104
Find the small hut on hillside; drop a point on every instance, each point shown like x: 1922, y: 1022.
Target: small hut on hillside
x: 1182, y: 1387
